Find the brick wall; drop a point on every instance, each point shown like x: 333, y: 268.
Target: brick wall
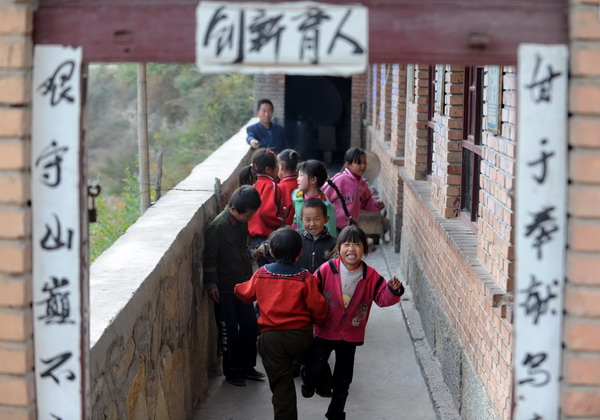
x: 271, y: 86
x: 358, y: 107
x: 397, y: 95
x: 17, y: 396
x: 447, y: 150
x: 416, y: 125
x: 496, y: 204
x: 374, y: 92
x: 461, y: 299
x: 581, y: 357
x: 459, y: 304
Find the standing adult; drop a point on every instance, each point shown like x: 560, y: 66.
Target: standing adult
x: 266, y: 133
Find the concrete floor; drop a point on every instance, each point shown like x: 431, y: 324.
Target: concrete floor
x: 388, y: 381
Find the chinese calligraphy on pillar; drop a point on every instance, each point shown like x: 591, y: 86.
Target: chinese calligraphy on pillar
x: 541, y: 230
x: 292, y: 38
x: 56, y: 215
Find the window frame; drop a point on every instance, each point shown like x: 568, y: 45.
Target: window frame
x: 472, y: 134
x: 430, y: 121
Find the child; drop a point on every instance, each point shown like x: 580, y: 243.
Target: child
x: 288, y: 181
x: 353, y: 188
x: 269, y: 216
x: 312, y: 174
x: 289, y: 302
x: 226, y: 263
x: 317, y: 243
x: 349, y: 287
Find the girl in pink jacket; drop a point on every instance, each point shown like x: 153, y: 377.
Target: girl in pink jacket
x: 353, y: 189
x: 350, y: 287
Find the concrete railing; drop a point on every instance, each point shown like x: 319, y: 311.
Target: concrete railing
x: 152, y: 331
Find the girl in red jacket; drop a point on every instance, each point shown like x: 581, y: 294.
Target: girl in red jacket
x: 288, y: 181
x: 349, y: 287
x: 269, y: 216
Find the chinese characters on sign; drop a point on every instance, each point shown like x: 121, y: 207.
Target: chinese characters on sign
x: 540, y: 230
x: 293, y: 38
x: 56, y: 233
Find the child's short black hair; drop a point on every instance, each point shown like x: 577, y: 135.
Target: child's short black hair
x: 264, y: 101
x: 354, y: 234
x: 244, y: 198
x: 285, y: 245
x: 314, y: 169
x: 315, y: 203
x: 353, y: 155
x: 290, y: 158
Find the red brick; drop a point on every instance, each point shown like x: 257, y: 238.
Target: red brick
x: 16, y: 53
x: 583, y: 336
x: 584, y: 131
x: 584, y: 236
x: 15, y: 122
x: 585, y: 60
x: 14, y: 155
x: 585, y: 166
x: 582, y: 370
x: 16, y: 359
x: 585, y: 98
x: 15, y: 223
x: 15, y: 19
x: 17, y: 391
x: 583, y: 302
x: 11, y: 413
x: 15, y: 324
x: 14, y: 188
x: 15, y: 257
x: 15, y: 88
x: 16, y: 292
x: 582, y: 403
x: 584, y: 201
x: 584, y: 23
x: 582, y: 269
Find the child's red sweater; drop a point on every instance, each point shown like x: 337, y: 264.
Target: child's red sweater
x: 286, y: 301
x: 269, y: 216
x: 288, y: 184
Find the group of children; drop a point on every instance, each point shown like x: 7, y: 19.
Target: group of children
x: 309, y: 303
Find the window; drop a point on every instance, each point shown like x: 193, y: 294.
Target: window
x: 471, y: 144
x: 430, y: 123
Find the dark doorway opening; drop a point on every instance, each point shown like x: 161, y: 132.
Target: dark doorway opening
x: 317, y: 116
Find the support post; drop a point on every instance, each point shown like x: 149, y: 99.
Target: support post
x: 144, y: 161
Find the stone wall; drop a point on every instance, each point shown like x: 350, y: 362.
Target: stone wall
x: 152, y: 331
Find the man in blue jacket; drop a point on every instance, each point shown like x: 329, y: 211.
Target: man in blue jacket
x: 266, y: 133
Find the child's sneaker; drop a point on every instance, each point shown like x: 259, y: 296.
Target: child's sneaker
x: 235, y: 379
x: 307, y: 391
x: 324, y: 393
x: 253, y: 374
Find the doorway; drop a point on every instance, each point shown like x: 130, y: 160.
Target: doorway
x: 317, y: 116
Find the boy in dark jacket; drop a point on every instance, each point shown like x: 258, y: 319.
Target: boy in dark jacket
x: 317, y: 243
x: 226, y: 263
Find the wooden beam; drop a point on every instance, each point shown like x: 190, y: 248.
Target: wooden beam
x: 403, y: 31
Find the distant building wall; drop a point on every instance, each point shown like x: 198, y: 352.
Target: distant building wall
x: 271, y: 86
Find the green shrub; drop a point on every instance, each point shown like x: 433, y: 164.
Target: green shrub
x: 115, y: 215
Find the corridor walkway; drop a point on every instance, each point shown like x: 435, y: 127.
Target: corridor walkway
x: 388, y: 383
